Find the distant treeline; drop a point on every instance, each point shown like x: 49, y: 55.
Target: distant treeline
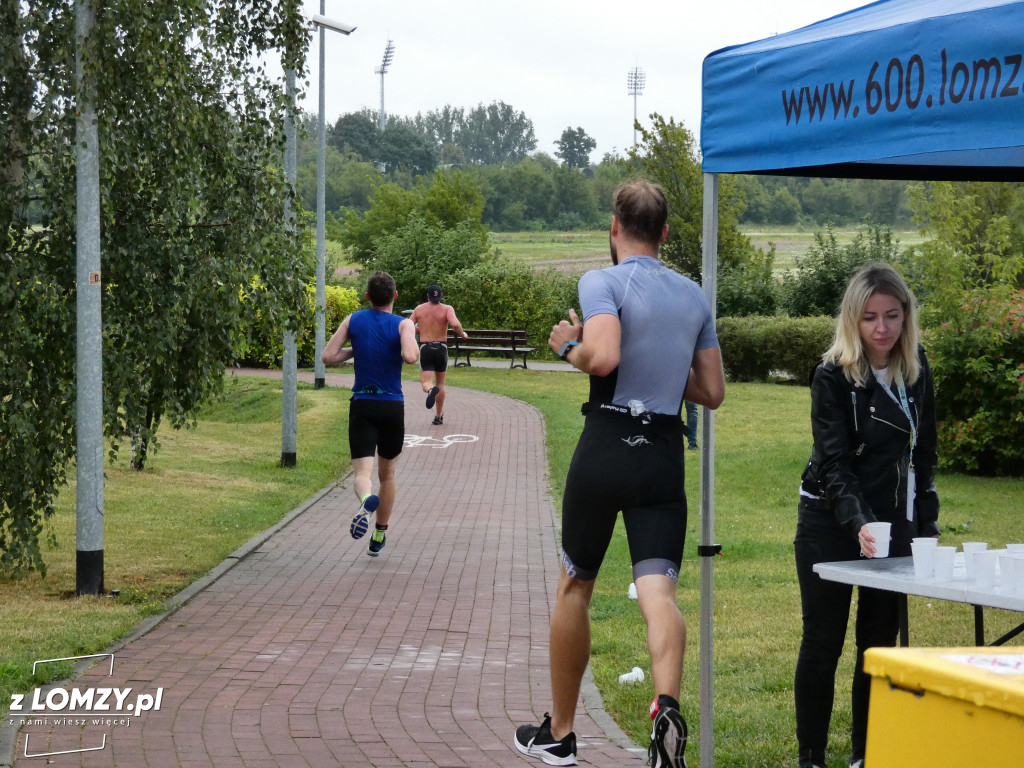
x: 529, y: 189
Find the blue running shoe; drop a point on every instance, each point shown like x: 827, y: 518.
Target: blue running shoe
x: 432, y: 396
x: 360, y: 522
x: 377, y: 541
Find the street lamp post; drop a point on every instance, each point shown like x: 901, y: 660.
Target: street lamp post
x: 635, y: 81
x: 319, y: 374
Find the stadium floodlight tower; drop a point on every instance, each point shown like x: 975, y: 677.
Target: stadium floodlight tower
x: 385, y: 62
x: 635, y: 80
x: 319, y: 373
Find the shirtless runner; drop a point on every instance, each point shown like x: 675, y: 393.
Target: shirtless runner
x: 432, y: 319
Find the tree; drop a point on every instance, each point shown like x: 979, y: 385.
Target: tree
x: 667, y: 154
x: 192, y: 210
x: 356, y: 132
x: 574, y: 147
x: 496, y: 134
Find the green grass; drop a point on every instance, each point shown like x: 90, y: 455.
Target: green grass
x: 206, y: 492
x: 552, y: 246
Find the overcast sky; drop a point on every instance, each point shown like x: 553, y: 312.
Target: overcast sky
x: 564, y: 63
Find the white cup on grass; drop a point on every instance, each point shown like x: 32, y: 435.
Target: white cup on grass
x: 944, y: 563
x: 880, y: 532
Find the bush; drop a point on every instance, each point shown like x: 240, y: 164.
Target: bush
x: 753, y: 348
x: 978, y: 364
x: 505, y: 293
x: 820, y: 279
x: 265, y: 340
x: 749, y: 288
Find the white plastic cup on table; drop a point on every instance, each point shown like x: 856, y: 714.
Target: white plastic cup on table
x: 924, y: 558
x: 1015, y: 548
x: 1006, y: 568
x: 985, y: 568
x: 943, y: 559
x: 880, y: 532
x: 969, y: 548
x: 1018, y: 572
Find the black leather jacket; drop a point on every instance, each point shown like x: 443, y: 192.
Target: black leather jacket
x: 860, y: 459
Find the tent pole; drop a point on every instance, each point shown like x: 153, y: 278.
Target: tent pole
x: 707, y: 549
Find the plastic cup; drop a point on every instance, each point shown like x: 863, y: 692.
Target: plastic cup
x: 1006, y: 567
x: 943, y: 558
x: 924, y: 559
x: 927, y: 541
x: 969, y: 548
x: 985, y: 568
x: 1015, y: 548
x: 1018, y: 572
x: 880, y: 532
x: 635, y: 676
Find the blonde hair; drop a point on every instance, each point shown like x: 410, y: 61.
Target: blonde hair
x: 847, y: 348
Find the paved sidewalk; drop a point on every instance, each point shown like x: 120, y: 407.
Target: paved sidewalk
x: 307, y: 652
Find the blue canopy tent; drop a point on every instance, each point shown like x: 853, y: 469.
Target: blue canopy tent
x: 898, y: 89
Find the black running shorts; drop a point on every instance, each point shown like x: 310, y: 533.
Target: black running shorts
x: 621, y: 464
x: 434, y: 356
x: 376, y: 426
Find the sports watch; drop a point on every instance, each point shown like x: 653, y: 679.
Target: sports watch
x: 563, y: 351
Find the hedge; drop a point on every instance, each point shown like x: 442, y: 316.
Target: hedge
x: 754, y: 348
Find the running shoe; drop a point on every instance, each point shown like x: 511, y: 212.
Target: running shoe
x: 360, y: 522
x: 377, y: 540
x: 537, y: 741
x: 668, y: 739
x: 438, y: 420
x: 432, y: 396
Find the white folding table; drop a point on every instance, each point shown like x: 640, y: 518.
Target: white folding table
x: 896, y: 574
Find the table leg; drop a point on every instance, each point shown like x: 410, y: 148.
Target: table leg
x: 904, y: 622
x: 979, y: 626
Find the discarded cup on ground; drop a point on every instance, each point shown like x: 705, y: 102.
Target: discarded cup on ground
x: 636, y: 676
x: 943, y: 560
x: 924, y: 559
x: 985, y: 568
x: 632, y: 591
x: 880, y: 532
x: 969, y: 548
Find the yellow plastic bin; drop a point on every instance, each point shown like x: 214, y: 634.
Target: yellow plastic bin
x: 945, y: 707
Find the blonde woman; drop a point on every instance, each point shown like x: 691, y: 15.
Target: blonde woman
x: 873, y: 423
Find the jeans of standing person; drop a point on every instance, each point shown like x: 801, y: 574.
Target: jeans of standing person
x: 691, y: 424
x: 826, y: 612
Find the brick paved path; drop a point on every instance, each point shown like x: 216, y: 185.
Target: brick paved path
x: 308, y: 652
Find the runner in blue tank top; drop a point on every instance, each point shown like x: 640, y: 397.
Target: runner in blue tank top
x: 381, y: 343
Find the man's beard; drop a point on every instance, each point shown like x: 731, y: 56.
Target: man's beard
x: 614, y: 250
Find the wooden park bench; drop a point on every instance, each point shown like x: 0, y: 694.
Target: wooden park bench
x: 503, y: 342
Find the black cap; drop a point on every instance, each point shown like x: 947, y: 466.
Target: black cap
x: 434, y: 293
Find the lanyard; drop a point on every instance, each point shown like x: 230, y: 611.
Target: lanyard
x: 905, y: 407
x: 911, y: 475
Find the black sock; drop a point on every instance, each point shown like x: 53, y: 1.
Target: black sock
x: 380, y: 527
x: 664, y: 700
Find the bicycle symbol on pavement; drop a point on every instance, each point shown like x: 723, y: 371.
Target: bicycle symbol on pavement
x: 424, y: 441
